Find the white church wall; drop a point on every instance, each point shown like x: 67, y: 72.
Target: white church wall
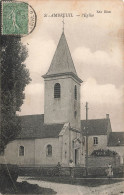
x: 67, y: 148
x: 61, y: 110
x: 65, y: 145
x: 57, y: 109
x: 11, y: 154
x: 82, y: 151
x: 75, y: 105
x: 41, y: 157
x: 73, y: 136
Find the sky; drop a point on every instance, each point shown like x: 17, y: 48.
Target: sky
x: 96, y: 47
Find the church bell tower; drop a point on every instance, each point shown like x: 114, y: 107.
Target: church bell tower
x: 62, y: 88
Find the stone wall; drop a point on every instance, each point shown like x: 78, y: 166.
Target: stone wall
x: 103, y: 161
x: 120, y: 151
x: 102, y: 143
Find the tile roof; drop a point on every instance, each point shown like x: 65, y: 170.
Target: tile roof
x: 116, y: 139
x: 95, y: 126
x: 62, y: 61
x: 33, y: 127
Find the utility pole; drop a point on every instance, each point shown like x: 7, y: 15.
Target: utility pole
x: 86, y: 128
x: 63, y: 24
x: 0, y: 88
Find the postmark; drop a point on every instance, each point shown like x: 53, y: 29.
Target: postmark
x: 18, y: 18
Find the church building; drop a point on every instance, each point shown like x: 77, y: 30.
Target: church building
x: 55, y: 136
x: 59, y: 134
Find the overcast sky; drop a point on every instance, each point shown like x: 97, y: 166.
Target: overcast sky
x: 97, y: 51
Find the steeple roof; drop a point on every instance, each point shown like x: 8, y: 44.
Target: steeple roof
x: 62, y: 61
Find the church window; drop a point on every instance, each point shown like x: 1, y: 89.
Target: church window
x: 21, y: 151
x: 49, y: 150
x: 2, y: 153
x: 95, y: 140
x: 65, y: 154
x: 75, y: 114
x: 57, y: 90
x: 75, y: 92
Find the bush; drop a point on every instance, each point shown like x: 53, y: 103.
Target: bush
x: 97, y: 171
x: 101, y: 152
x: 8, y: 175
x: 118, y: 171
x: 30, y: 171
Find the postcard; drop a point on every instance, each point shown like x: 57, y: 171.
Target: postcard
x: 62, y: 97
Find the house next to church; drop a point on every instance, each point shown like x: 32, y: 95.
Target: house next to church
x: 59, y: 134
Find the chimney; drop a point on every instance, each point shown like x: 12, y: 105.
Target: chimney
x: 107, y: 116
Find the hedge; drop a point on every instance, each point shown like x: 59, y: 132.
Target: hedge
x: 79, y: 172
x: 51, y: 171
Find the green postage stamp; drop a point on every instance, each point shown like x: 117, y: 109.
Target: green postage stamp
x: 18, y: 18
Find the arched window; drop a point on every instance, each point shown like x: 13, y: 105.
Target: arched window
x: 21, y: 151
x: 2, y: 153
x: 57, y: 90
x: 49, y: 150
x: 75, y: 92
x: 75, y: 114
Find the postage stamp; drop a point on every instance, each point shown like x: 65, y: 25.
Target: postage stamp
x: 18, y: 18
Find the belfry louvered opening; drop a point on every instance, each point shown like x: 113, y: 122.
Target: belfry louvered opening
x: 75, y: 92
x: 21, y: 151
x: 57, y: 90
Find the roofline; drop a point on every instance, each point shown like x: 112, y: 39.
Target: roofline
x: 63, y: 74
x: 53, y: 124
x: 94, y: 119
x: 117, y: 132
x: 25, y: 115
x: 33, y: 138
x: 84, y: 134
x: 75, y: 130
x: 115, y: 145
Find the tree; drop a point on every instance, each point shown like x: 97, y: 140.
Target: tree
x: 14, y: 78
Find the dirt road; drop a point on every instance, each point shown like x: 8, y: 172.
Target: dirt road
x: 67, y: 189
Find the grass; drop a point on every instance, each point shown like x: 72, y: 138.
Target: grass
x: 90, y: 182
x: 26, y: 188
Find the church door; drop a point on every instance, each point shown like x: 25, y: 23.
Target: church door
x: 76, y: 156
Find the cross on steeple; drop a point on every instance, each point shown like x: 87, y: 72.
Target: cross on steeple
x: 63, y: 24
